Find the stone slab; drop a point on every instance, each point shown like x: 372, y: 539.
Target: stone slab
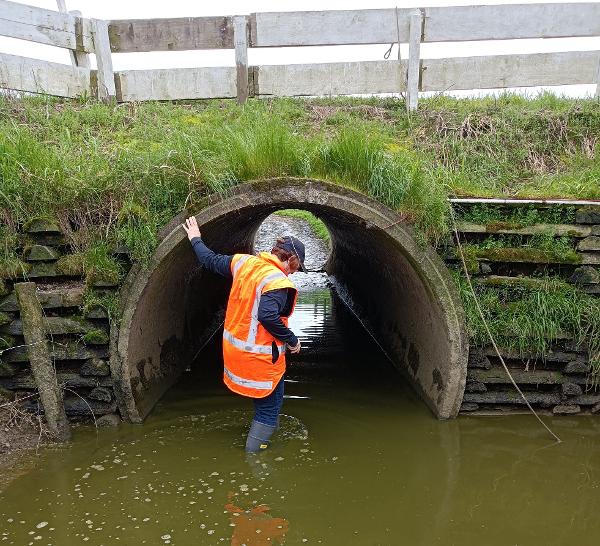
x: 498, y: 376
x: 95, y: 367
x: 512, y: 397
x: 571, y: 389
x: 102, y: 394
x: 40, y: 253
x: 552, y: 356
x: 566, y: 409
x: 24, y: 380
x: 590, y: 258
x: 588, y: 215
x: 109, y: 420
x: 49, y: 299
x: 585, y: 275
x: 54, y: 326
x: 39, y: 225
x: 72, y: 350
x: 589, y: 244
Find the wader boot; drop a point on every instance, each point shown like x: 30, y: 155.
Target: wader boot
x: 258, y: 437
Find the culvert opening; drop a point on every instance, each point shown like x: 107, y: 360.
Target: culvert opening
x: 400, y: 288
x: 335, y: 346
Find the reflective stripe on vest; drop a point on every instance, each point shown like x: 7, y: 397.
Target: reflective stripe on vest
x: 239, y: 264
x: 254, y: 321
x: 260, y: 385
x: 252, y: 365
x: 250, y: 347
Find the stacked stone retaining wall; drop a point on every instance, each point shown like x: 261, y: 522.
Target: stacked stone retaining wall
x: 78, y: 338
x: 561, y: 381
x: 79, y: 334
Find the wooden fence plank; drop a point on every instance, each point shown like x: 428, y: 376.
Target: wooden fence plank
x: 502, y: 71
x: 511, y: 21
x: 331, y: 78
x: 34, y: 76
x: 177, y: 83
x: 442, y: 24
x: 171, y: 34
x: 414, y: 60
x: 106, y: 75
x: 240, y: 30
x: 62, y: 7
x: 40, y: 25
x: 369, y: 26
x: 78, y: 58
x: 42, y: 366
x: 82, y: 26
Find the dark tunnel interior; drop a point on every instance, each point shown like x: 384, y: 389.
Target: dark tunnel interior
x: 400, y: 290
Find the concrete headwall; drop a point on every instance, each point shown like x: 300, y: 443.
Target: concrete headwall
x: 400, y: 287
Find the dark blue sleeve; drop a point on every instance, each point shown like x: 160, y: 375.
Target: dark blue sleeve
x: 270, y: 307
x: 215, y: 263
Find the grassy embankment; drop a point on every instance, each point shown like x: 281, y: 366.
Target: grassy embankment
x: 115, y: 175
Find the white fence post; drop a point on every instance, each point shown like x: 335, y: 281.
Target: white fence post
x: 79, y: 58
x: 597, y: 94
x: 414, y: 60
x: 106, y: 76
x: 240, y: 40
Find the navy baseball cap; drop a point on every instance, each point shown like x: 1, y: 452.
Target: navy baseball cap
x: 293, y: 245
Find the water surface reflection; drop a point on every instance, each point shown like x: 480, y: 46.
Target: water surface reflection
x: 359, y: 460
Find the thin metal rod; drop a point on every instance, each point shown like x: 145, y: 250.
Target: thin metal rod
x: 508, y: 201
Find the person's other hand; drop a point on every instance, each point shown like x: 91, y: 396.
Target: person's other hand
x: 191, y: 227
x: 295, y: 349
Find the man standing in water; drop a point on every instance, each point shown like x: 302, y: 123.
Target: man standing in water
x: 256, y: 331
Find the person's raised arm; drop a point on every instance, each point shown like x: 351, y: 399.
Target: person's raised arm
x: 215, y: 263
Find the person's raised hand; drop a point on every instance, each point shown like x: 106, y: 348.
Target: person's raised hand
x: 295, y: 349
x: 191, y: 227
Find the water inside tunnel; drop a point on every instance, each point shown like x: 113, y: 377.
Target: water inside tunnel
x: 397, y: 285
x: 328, y: 329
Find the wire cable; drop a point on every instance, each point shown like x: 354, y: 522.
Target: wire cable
x: 487, y: 328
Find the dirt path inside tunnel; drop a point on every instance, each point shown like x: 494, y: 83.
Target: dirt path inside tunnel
x: 316, y: 249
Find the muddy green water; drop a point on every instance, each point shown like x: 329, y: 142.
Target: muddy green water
x: 359, y: 460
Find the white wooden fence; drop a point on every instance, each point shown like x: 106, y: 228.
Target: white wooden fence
x: 263, y: 30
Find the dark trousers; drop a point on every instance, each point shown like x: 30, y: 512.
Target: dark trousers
x: 266, y: 410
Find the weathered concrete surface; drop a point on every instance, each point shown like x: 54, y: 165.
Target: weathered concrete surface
x: 401, y: 289
x: 43, y: 370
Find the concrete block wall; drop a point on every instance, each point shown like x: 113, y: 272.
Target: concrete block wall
x: 78, y: 339
x: 559, y: 383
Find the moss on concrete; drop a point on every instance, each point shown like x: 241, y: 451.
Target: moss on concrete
x: 525, y: 255
x: 95, y: 337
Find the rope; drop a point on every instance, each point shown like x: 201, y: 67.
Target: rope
x: 387, y: 54
x: 487, y: 328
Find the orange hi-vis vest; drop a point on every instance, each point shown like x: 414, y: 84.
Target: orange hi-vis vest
x: 249, y: 369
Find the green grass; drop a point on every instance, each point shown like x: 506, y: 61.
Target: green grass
x: 113, y: 175
x: 531, y: 319
x: 108, y: 301
x: 316, y: 225
x: 537, y: 248
x: 515, y: 218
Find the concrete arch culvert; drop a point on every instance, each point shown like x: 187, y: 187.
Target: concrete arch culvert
x: 401, y: 289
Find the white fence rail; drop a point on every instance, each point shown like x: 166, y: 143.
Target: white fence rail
x: 294, y: 29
